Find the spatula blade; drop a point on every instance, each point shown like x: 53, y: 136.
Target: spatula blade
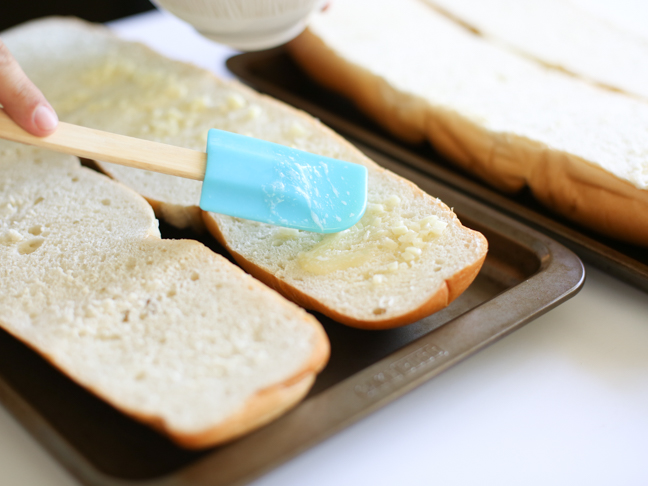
x: 271, y: 183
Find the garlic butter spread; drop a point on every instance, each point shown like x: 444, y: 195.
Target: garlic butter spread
x: 154, y: 104
x: 374, y: 236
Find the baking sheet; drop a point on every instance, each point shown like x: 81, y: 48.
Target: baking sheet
x: 524, y: 275
x: 274, y: 72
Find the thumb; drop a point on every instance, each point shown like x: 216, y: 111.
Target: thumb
x: 22, y: 100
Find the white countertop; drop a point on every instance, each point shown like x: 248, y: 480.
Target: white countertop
x: 562, y: 401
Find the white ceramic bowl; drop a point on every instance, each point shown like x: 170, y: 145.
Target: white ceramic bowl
x: 245, y: 24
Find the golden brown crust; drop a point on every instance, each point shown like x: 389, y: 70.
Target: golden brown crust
x: 442, y: 297
x: 261, y: 409
x: 565, y: 183
x: 587, y: 194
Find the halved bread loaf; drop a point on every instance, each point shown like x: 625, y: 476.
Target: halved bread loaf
x: 513, y: 122
x: 166, y: 331
x: 408, y: 257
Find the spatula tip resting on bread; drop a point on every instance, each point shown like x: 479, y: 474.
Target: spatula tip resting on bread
x: 409, y: 256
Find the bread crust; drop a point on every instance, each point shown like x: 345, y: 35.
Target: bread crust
x: 569, y: 185
x: 590, y: 196
x: 260, y: 409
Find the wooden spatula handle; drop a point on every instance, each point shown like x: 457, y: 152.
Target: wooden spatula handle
x: 109, y: 147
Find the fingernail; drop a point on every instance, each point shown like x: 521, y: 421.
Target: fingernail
x: 45, y: 118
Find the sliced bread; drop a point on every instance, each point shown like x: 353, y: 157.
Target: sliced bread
x: 407, y: 258
x: 513, y: 122
x: 166, y: 331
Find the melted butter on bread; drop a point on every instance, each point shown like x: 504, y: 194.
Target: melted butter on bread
x: 384, y: 237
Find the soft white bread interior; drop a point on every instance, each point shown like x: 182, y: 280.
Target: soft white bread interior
x: 408, y: 257
x: 581, y: 149
x: 560, y: 34
x: 167, y: 331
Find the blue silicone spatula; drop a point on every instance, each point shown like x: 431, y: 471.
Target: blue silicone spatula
x: 242, y: 176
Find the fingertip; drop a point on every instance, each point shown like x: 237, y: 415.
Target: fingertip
x: 44, y: 120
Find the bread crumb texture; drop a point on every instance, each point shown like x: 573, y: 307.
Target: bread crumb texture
x: 404, y: 253
x: 165, y: 330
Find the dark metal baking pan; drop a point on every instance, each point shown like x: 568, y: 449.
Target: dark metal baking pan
x: 275, y: 73
x: 525, y: 274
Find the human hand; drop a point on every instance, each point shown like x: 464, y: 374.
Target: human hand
x: 22, y: 100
